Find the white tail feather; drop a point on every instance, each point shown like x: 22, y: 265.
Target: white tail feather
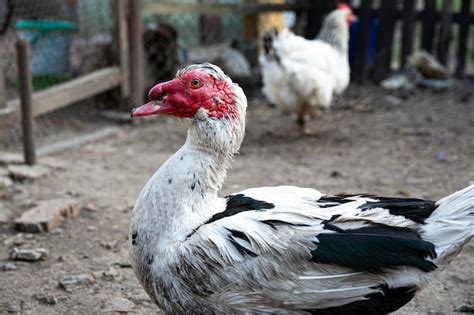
x: 451, y: 225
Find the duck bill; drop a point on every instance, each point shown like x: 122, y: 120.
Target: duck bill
x: 152, y: 108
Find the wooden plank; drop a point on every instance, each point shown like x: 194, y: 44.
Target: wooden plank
x: 75, y: 90
x: 445, y: 32
x: 332, y: 5
x: 428, y: 28
x: 408, y: 29
x: 254, y: 8
x: 250, y: 27
x: 65, y: 94
x: 215, y: 8
x: 119, y: 10
x: 298, y: 27
x: 463, y: 36
x: 26, y: 92
x: 211, y: 26
x: 385, y: 39
x: 456, y: 16
x: 360, y: 66
x: 137, y: 56
x: 314, y: 20
x: 269, y: 20
x: 3, y: 89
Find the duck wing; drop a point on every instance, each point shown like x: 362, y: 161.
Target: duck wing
x: 280, y: 249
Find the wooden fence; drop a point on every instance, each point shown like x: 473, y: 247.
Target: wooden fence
x: 127, y: 74
x: 387, y: 16
x: 435, y: 36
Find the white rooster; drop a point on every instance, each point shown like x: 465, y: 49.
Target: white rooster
x: 299, y: 73
x: 274, y: 250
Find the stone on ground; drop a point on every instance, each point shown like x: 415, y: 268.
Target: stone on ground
x: 46, y: 298
x: 8, y: 266
x: 119, y: 305
x: 46, y: 215
x: 4, y: 171
x: 5, y: 214
x: 28, y: 254
x: 70, y: 283
x: 30, y: 172
x: 11, y: 158
x: 5, y: 182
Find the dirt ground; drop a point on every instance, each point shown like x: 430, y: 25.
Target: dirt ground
x: 420, y: 145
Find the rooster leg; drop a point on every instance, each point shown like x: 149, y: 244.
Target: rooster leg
x: 301, y: 110
x: 301, y: 121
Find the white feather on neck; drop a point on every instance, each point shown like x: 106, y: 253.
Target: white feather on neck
x: 183, y: 193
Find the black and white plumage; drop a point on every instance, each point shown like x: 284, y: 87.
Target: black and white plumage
x: 285, y: 250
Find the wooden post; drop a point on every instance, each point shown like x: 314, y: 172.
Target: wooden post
x: 332, y: 5
x: 269, y: 20
x: 385, y: 39
x: 120, y: 53
x: 120, y: 47
x: 3, y: 90
x: 4, y: 126
x: 298, y: 27
x: 429, y: 21
x: 408, y: 29
x: 360, y: 66
x: 250, y: 25
x: 445, y: 31
x: 137, y: 73
x: 26, y: 91
x: 211, y: 27
x: 463, y: 35
x: 314, y: 20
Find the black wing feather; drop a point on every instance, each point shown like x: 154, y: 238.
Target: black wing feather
x: 374, y: 248
x: 239, y: 203
x: 417, y: 210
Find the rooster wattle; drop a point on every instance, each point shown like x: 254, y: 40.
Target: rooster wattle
x: 285, y: 249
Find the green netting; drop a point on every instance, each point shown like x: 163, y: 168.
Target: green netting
x: 45, y: 25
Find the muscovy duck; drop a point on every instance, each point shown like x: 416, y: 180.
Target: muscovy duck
x: 284, y: 250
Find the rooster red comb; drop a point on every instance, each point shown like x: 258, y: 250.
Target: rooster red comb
x: 342, y: 6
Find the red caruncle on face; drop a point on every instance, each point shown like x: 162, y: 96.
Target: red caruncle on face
x: 185, y: 95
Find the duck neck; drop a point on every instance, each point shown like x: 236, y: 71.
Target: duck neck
x: 211, y: 146
x: 217, y: 141
x: 183, y: 193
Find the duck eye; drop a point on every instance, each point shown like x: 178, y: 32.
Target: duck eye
x: 195, y: 83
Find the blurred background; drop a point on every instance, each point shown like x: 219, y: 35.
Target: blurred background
x: 144, y: 42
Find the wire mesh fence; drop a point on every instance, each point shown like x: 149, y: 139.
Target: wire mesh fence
x: 68, y: 38
x: 220, y: 32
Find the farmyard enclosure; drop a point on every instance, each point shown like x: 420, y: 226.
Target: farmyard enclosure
x: 409, y: 142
